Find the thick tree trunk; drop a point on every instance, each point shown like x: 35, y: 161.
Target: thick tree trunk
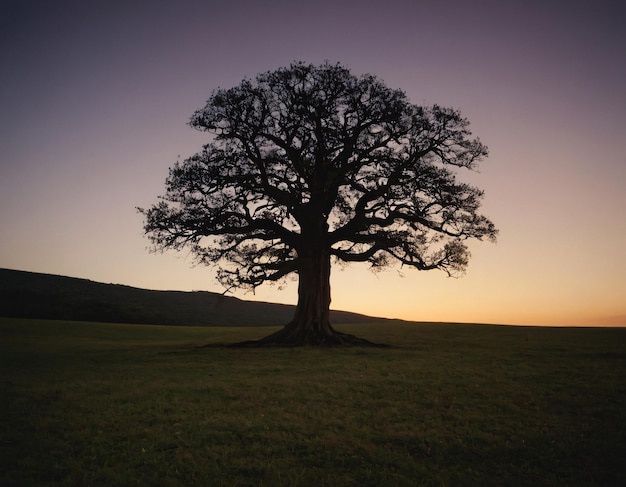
x: 311, y: 322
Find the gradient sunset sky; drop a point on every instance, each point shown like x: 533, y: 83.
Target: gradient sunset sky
x: 95, y: 98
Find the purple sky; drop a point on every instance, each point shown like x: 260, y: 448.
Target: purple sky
x: 95, y: 98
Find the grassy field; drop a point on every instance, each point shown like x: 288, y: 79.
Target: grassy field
x: 86, y: 404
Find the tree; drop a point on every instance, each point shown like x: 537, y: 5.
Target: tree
x: 309, y: 164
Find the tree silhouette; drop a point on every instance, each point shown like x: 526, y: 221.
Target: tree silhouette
x: 308, y: 164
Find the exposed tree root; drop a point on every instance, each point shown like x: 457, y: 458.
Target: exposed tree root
x: 293, y: 336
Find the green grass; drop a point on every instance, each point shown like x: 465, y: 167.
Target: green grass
x: 105, y: 405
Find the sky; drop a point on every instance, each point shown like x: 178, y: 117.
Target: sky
x: 95, y: 100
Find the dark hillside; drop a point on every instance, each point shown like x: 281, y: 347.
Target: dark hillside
x: 45, y: 296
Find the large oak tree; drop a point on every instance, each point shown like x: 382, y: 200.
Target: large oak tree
x: 308, y: 164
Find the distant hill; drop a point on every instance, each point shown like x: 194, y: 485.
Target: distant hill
x: 46, y: 296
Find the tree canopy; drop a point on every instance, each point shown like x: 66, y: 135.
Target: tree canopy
x: 311, y: 163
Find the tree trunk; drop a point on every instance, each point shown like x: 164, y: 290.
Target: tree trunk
x: 311, y: 322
